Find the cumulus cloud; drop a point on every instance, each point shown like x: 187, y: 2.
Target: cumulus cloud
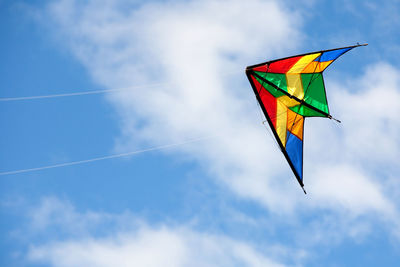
x: 372, y: 130
x: 140, y: 244
x: 362, y: 152
x: 152, y: 247
x: 192, y: 47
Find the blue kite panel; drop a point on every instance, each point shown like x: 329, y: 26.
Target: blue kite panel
x: 332, y: 55
x: 294, y: 149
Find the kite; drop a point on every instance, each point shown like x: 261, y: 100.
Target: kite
x: 289, y: 90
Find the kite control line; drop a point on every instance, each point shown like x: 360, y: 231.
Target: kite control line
x: 162, y: 147
x: 104, y: 91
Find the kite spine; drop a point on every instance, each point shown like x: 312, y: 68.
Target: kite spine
x: 302, y: 102
x: 321, y: 51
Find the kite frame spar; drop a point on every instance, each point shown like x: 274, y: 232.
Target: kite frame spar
x: 250, y: 71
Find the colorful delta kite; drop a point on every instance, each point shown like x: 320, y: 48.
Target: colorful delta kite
x: 288, y: 90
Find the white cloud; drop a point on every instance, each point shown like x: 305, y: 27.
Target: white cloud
x: 189, y: 46
x: 140, y: 244
x: 370, y: 106
x: 344, y: 187
x: 361, y: 153
x: 351, y: 165
x: 151, y: 247
x: 53, y: 213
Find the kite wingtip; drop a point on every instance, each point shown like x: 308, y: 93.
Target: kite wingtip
x: 304, y: 190
x: 332, y: 118
x: 364, y: 44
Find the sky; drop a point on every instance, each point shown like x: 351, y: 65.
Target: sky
x: 212, y: 187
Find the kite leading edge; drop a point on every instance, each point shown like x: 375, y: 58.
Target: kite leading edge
x: 289, y: 90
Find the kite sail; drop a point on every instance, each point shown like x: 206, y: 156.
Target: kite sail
x: 289, y: 90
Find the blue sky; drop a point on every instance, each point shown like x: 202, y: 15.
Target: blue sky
x: 228, y: 199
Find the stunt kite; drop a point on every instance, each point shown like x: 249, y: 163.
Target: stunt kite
x: 289, y: 90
